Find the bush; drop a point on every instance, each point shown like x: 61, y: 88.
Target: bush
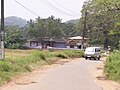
x: 61, y: 55
x: 74, y: 53
x: 112, y: 67
x: 39, y: 55
x: 4, y: 77
x: 5, y: 66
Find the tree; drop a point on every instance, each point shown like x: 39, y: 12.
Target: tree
x: 54, y: 27
x: 101, y: 22
x: 14, y: 38
x: 70, y: 29
x: 112, y: 5
x: 43, y: 28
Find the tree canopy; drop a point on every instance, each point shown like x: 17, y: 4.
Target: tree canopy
x: 51, y: 28
x: 14, y: 37
x: 103, y: 22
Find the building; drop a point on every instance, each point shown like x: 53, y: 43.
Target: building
x: 76, y: 42
x: 70, y: 43
x: 47, y: 42
x: 58, y: 43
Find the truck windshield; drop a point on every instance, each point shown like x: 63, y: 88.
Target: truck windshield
x: 89, y: 50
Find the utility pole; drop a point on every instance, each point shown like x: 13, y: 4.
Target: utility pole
x: 84, y: 30
x: 2, y: 53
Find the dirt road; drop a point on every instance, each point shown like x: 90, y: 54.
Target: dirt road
x: 79, y: 74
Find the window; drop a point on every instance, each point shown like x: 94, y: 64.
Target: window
x: 97, y: 49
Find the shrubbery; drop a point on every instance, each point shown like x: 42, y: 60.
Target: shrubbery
x: 112, y: 67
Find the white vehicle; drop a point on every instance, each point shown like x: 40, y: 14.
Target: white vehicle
x: 92, y: 52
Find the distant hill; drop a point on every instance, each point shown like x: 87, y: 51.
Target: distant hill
x: 11, y: 21
x: 73, y: 21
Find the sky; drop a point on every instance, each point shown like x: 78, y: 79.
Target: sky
x: 63, y: 9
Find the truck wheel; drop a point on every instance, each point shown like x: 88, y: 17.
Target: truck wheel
x: 95, y: 58
x: 99, y: 58
x: 86, y: 58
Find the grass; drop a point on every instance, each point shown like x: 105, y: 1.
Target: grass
x: 73, y: 53
x: 112, y: 67
x: 21, y: 61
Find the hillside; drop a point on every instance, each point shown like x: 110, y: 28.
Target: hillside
x: 73, y: 21
x: 11, y: 21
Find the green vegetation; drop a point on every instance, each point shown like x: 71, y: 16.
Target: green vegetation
x: 103, y: 22
x: 20, y: 61
x: 50, y: 27
x: 70, y: 54
x: 112, y: 67
x: 73, y: 53
x: 14, y: 37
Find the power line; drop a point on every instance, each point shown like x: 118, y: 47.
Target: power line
x: 63, y: 6
x: 60, y: 9
x: 26, y: 8
x: 49, y: 5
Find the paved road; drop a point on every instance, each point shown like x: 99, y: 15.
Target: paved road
x: 76, y: 75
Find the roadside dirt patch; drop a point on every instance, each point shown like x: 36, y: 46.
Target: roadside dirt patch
x: 102, y: 80
x: 31, y: 77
